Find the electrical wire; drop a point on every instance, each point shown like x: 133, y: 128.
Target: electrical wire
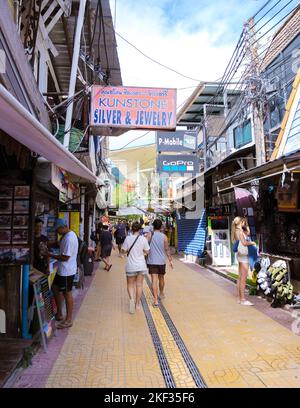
x: 269, y: 1
x: 256, y: 22
x: 152, y: 59
x: 276, y: 24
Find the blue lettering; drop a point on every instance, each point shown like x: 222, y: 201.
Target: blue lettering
x: 96, y: 116
x: 148, y: 117
x: 163, y: 119
x: 118, y: 117
x: 169, y: 117
x: 154, y: 118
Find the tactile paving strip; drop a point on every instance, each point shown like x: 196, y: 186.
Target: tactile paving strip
x: 199, y: 381
x: 165, y: 368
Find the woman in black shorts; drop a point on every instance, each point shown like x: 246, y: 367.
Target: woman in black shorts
x: 106, y: 243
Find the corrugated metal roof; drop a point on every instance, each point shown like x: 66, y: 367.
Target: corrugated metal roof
x: 62, y: 37
x: 286, y: 33
x: 193, y: 109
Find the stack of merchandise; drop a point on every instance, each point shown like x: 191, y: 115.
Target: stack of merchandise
x: 273, y: 280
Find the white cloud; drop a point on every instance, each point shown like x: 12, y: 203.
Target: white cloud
x: 197, y: 53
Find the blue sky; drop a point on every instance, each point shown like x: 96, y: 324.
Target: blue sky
x: 195, y: 37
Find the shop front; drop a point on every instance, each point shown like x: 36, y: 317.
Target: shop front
x: 276, y: 222
x: 27, y: 306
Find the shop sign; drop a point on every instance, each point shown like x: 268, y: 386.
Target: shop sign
x: 133, y: 107
x: 184, y: 164
x: 178, y: 141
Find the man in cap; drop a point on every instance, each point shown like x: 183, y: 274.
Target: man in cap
x: 67, y: 268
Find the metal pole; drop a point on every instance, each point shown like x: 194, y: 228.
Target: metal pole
x: 25, y: 290
x: 72, y: 83
x: 82, y: 206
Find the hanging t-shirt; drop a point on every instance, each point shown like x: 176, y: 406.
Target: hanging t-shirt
x: 68, y: 246
x: 136, y: 259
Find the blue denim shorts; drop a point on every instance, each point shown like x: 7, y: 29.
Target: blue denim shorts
x: 129, y: 274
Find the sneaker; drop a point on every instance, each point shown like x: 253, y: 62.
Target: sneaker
x: 131, y: 306
x: 246, y: 303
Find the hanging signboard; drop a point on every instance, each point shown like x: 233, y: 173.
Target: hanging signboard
x: 184, y: 164
x: 133, y: 107
x: 178, y: 141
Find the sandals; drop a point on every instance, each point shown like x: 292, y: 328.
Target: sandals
x: 61, y: 319
x: 155, y: 304
x: 64, y: 325
x: 109, y: 268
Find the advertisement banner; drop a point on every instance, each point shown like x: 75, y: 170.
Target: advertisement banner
x: 133, y: 107
x: 184, y: 164
x: 178, y: 141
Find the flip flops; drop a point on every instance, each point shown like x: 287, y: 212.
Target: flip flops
x: 64, y: 325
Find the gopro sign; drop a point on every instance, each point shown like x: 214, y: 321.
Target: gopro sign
x: 177, y: 164
x: 179, y: 141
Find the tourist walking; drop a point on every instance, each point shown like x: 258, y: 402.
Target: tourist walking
x: 120, y: 235
x: 136, y: 247
x: 240, y: 236
x: 98, y: 233
x: 67, y: 268
x: 106, y: 245
x: 159, y: 251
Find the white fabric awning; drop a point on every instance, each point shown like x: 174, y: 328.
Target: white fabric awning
x: 17, y: 122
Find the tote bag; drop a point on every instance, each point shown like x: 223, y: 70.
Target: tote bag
x: 242, y: 250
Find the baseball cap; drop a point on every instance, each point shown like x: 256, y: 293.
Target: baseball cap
x: 60, y: 223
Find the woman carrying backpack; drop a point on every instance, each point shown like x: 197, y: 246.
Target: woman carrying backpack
x: 136, y: 246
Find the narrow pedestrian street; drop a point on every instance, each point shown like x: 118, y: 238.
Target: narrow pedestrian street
x: 198, y: 337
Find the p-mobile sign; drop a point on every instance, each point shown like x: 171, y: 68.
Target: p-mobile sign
x: 178, y: 141
x: 183, y: 164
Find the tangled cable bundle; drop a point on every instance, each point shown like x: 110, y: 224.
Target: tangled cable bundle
x: 273, y: 280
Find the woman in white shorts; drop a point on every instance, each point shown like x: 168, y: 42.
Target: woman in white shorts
x: 240, y: 232
x: 136, y: 246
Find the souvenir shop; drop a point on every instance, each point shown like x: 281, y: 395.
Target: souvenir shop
x: 277, y: 223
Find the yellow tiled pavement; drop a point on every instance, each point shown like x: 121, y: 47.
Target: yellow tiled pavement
x: 232, y: 345
x: 107, y: 347
x: 180, y: 372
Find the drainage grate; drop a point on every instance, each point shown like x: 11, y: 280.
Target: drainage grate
x: 164, y: 365
x: 199, y: 381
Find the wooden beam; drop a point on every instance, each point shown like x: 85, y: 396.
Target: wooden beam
x: 54, y: 20
x: 65, y: 26
x: 91, y: 74
x: 46, y: 38
x: 50, y: 10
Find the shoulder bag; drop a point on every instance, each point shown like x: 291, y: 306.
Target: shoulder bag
x: 128, y: 252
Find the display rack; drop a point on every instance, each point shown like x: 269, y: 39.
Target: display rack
x: 281, y: 258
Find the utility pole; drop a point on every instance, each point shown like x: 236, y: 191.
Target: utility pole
x: 254, y: 90
x: 73, y: 76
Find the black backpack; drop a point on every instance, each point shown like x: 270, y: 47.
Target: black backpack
x: 82, y: 251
